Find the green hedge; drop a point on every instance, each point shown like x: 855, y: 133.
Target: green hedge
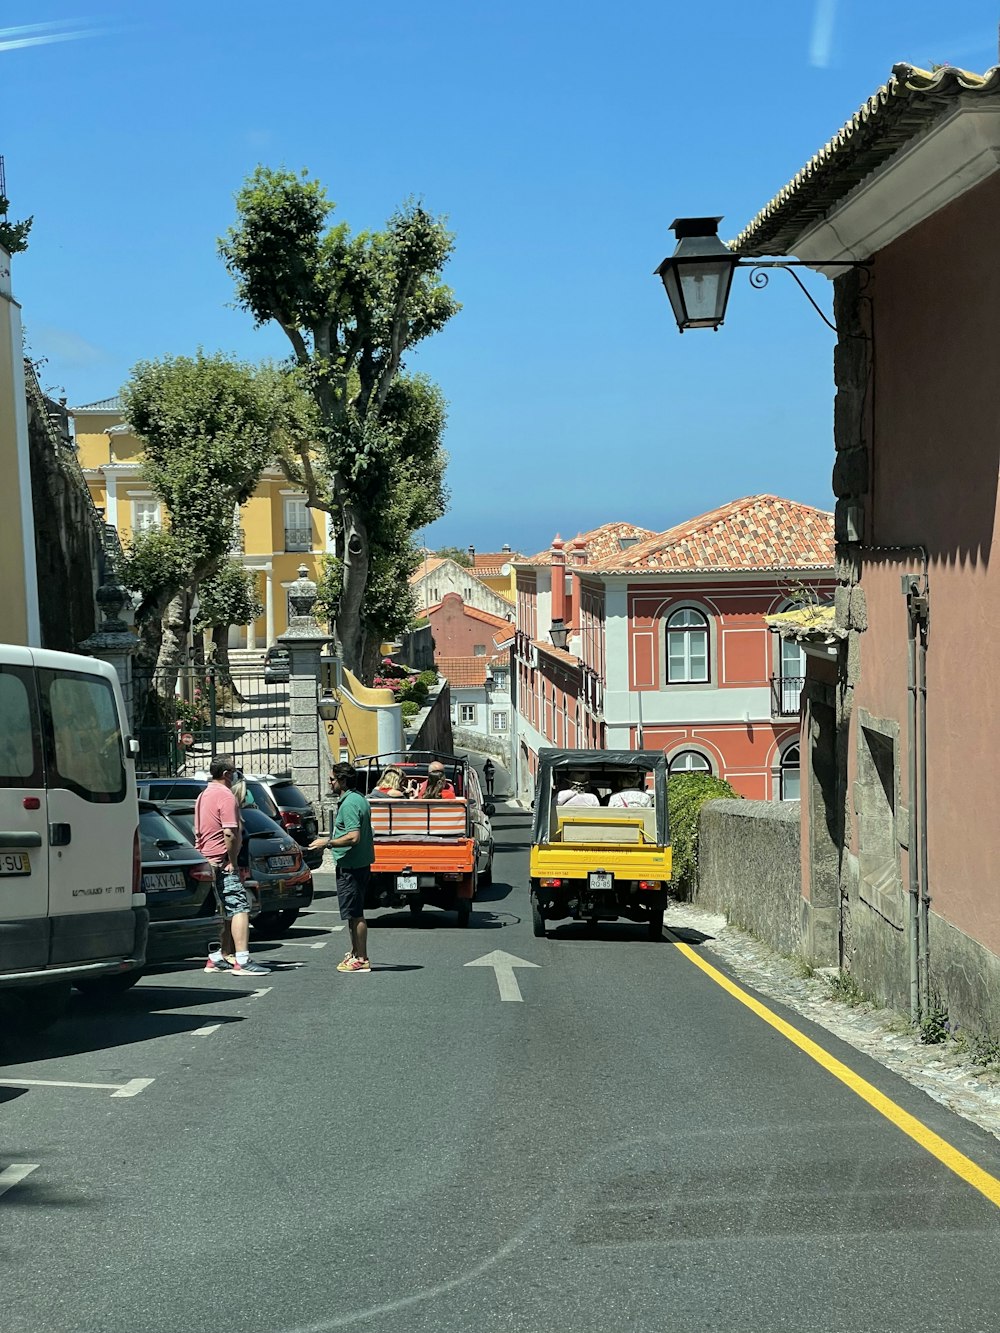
x: 428, y: 679
x: 409, y: 708
x: 686, y: 794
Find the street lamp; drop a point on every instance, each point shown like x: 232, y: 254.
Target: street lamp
x: 328, y: 706
x: 698, y: 276
x: 559, y: 634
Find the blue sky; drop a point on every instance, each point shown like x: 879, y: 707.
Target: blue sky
x: 560, y: 140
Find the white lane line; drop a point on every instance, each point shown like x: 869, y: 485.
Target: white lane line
x: 264, y: 990
x: 130, y: 1089
x: 328, y: 930
x: 207, y: 1030
x: 304, y: 944
x: 133, y: 1087
x: 322, y: 911
x: 13, y: 1175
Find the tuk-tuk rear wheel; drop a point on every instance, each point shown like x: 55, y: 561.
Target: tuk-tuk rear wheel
x: 537, y: 920
x: 656, y: 924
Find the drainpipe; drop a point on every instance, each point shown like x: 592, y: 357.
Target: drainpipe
x: 925, y: 894
x: 913, y: 930
x: 916, y: 590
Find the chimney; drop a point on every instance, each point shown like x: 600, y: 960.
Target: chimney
x: 578, y: 551
x: 505, y: 548
x: 558, y: 582
x: 472, y: 553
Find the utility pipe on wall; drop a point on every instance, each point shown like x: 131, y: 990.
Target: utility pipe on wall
x: 913, y: 919
x: 925, y: 894
x: 916, y: 590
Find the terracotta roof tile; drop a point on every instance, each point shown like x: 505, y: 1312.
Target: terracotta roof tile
x: 426, y: 566
x: 758, y: 532
x: 561, y: 654
x: 474, y: 613
x: 490, y: 563
x: 462, y: 672
x: 903, y: 108
x: 602, y: 543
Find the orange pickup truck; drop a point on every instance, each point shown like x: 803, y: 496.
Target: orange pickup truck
x: 430, y: 851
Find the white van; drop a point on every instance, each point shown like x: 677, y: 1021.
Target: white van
x: 71, y: 906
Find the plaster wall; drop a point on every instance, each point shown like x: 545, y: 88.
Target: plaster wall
x: 934, y: 481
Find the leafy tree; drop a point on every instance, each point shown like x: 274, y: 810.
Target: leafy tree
x: 351, y: 307
x: 228, y: 597
x: 208, y: 425
x: 13, y: 235
x: 455, y: 553
x: 686, y: 794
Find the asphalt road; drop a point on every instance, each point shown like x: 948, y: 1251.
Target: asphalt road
x: 628, y: 1146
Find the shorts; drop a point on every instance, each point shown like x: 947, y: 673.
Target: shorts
x: 231, y: 895
x: 352, y: 884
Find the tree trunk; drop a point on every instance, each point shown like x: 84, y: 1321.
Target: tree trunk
x: 355, y: 567
x: 220, y: 654
x: 173, y: 648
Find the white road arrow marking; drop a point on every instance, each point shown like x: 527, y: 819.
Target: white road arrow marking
x: 503, y: 965
x: 12, y: 1175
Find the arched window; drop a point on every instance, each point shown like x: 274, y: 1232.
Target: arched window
x: 689, y: 761
x: 687, y: 647
x: 789, y: 776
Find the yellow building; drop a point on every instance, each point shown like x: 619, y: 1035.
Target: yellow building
x: 19, y: 615
x: 273, y: 533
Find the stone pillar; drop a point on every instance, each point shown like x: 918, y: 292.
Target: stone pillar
x: 114, y: 641
x: 269, y: 605
x: 305, y: 640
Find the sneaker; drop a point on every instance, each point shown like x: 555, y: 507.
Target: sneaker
x: 223, y: 965
x: 250, y: 969
x: 354, y: 965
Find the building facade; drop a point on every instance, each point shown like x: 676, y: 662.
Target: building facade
x: 273, y: 533
x: 899, y: 873
x: 666, y: 644
x: 436, y: 577
x: 472, y: 651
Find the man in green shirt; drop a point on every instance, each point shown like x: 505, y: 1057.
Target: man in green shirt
x: 353, y: 852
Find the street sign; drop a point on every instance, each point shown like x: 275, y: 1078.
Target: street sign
x: 503, y: 965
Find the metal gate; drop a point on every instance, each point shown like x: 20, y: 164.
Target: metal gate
x: 182, y: 717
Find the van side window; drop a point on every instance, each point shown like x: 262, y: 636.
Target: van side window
x: 20, y: 741
x: 87, y: 753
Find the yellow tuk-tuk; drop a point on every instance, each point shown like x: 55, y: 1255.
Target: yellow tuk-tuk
x: 600, y: 847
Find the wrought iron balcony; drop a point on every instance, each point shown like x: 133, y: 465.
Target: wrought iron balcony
x: 785, y: 694
x: 298, y: 539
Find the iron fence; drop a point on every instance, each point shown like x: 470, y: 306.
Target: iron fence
x: 182, y: 716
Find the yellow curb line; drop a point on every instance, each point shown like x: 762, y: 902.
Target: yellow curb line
x: 987, y: 1185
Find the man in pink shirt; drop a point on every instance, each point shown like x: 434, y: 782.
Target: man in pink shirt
x: 218, y: 834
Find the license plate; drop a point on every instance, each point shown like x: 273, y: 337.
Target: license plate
x: 406, y: 883
x: 168, y: 882
x: 15, y: 863
x: 601, y: 881
x: 280, y: 862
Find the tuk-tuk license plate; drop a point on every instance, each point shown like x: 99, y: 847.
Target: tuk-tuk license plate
x: 15, y: 863
x: 600, y: 881
x: 406, y: 883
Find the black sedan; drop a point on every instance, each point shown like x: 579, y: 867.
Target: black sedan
x: 177, y: 882
x: 276, y: 865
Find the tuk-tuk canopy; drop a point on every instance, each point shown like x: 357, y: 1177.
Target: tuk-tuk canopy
x: 554, y: 764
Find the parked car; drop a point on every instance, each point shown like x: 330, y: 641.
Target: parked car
x: 284, y: 880
x: 177, y: 882
x: 72, y: 905
x: 296, y: 813
x: 276, y: 670
x: 179, y: 793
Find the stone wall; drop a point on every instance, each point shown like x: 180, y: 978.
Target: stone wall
x: 749, y: 868
x: 416, y: 649
x: 68, y: 534
x: 468, y: 739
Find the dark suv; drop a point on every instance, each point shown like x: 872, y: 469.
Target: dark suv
x: 182, y: 792
x: 295, y: 812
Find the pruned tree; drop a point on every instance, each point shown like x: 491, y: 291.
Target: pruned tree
x: 208, y: 426
x: 13, y: 235
x: 351, y: 307
x: 403, y: 485
x: 455, y: 553
x: 228, y: 597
